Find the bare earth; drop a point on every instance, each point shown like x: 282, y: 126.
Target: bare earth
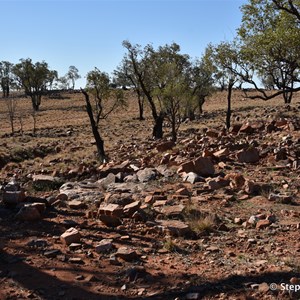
x: 228, y: 236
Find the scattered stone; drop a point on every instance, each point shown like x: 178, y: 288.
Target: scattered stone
x: 76, y: 260
x: 131, y: 208
x: 52, y: 253
x: 110, y: 210
x: 70, y: 236
x: 250, y: 155
x: 175, y: 227
x: 146, y: 174
x: 28, y: 213
x: 217, y: 183
x: 201, y: 166
x: 164, y: 146
x: 76, y: 204
x: 192, y: 177
x: 261, y: 224
x: 104, y: 245
x: 126, y: 254
x: 110, y: 221
x: 75, y: 246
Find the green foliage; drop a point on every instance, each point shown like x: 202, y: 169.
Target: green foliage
x: 6, y: 77
x: 106, y: 99
x: 270, y: 43
x: 73, y: 75
x: 33, y: 78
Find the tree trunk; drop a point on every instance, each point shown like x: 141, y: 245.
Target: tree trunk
x: 287, y: 96
x: 141, y: 109
x: 158, y: 126
x: 174, y: 131
x: 12, y: 125
x: 228, y: 114
x: 99, y: 142
x: 201, y: 101
x: 191, y: 115
x: 36, y: 101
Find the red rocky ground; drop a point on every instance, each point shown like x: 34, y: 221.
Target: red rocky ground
x: 214, y: 216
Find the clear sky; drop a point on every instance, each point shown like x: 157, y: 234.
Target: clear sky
x: 89, y: 33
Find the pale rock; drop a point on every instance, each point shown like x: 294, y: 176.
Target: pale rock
x: 70, y: 236
x: 146, y: 174
x: 222, y: 153
x: 192, y: 178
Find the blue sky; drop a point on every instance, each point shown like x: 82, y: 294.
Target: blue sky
x: 89, y: 33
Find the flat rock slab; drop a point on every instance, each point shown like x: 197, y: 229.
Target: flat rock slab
x: 175, y: 228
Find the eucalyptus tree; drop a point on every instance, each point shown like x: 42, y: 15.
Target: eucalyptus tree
x: 170, y: 76
x: 270, y: 42
x: 225, y: 57
x: 6, y: 77
x: 33, y: 78
x: 202, y: 73
x: 125, y: 76
x: 136, y: 66
x: 73, y: 75
x: 104, y: 101
x: 160, y: 76
x: 290, y: 6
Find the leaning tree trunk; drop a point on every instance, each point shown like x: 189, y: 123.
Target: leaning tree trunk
x: 228, y: 114
x: 99, y: 142
x: 158, y: 126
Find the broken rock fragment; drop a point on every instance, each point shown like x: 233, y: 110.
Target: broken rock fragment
x: 70, y: 236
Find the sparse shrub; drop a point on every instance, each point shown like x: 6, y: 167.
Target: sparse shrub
x: 199, y: 222
x: 169, y: 244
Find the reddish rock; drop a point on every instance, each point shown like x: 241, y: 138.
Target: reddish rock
x: 110, y: 210
x: 217, y: 183
x: 261, y: 224
x: 131, y: 208
x: 246, y: 128
x: 126, y: 254
x: 70, y: 236
x: 28, y: 213
x: 104, y: 245
x: 203, y: 166
x: 164, y: 146
x: 250, y: 155
x: 222, y: 153
x: 175, y: 228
